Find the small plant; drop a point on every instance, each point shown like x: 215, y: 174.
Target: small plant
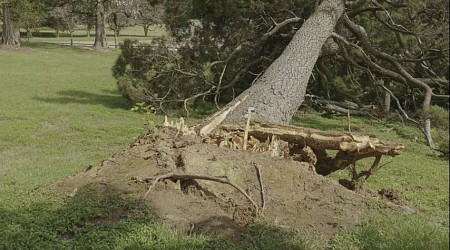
x: 148, y: 112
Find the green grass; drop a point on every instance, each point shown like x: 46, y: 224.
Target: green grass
x: 60, y: 111
x: 47, y: 35
x: 395, y: 232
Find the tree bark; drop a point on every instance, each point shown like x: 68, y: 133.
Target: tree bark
x: 279, y: 92
x: 10, y: 32
x: 145, y: 26
x: 100, y: 34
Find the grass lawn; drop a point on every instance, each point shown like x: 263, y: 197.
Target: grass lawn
x: 47, y: 35
x: 60, y: 111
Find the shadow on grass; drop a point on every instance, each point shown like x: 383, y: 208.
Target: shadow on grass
x: 100, y: 216
x: 111, y: 99
x: 49, y: 46
x: 96, y: 216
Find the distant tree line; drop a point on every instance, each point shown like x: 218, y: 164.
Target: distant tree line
x: 66, y: 15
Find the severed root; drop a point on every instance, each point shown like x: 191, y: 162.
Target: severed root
x: 261, y: 186
x: 223, y: 180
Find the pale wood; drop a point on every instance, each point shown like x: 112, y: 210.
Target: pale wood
x: 351, y: 147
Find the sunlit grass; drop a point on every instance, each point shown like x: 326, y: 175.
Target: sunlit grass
x: 48, y: 35
x: 59, y: 111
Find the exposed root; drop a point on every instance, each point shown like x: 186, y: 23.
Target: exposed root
x: 261, y: 186
x: 223, y: 180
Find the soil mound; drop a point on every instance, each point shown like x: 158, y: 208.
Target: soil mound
x: 293, y: 194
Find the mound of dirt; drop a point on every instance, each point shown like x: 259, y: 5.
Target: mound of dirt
x: 293, y: 194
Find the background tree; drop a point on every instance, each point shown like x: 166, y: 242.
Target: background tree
x: 100, y: 10
x: 149, y: 15
x: 63, y: 18
x: 10, y: 28
x: 120, y: 15
x: 30, y: 15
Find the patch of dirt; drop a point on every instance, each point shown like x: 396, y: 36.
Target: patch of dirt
x: 391, y: 194
x: 294, y: 195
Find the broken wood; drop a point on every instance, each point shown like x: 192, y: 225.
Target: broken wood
x: 350, y: 147
x: 297, y: 143
x: 218, y: 118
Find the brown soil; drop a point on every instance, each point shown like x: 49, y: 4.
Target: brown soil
x: 295, y: 196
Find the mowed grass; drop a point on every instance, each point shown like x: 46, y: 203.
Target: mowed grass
x: 60, y: 111
x: 48, y: 35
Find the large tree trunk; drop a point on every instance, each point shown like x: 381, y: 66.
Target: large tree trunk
x: 279, y: 92
x: 100, y: 34
x: 10, y: 32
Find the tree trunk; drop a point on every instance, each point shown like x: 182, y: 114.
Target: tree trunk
x: 115, y: 38
x: 387, y: 100
x: 280, y: 91
x: 387, y: 103
x: 10, y: 32
x: 145, y: 26
x: 100, y: 34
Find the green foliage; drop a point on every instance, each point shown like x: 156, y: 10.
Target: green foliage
x: 147, y: 111
x: 28, y: 14
x: 205, y: 33
x: 153, y: 73
x: 408, y: 231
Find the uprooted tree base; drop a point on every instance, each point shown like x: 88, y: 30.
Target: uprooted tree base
x: 200, y: 187
x: 300, y: 144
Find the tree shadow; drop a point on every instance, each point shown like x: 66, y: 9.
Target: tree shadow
x: 109, y: 99
x: 101, y: 216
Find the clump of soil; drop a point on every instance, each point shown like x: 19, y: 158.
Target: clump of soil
x: 391, y: 194
x: 294, y: 195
